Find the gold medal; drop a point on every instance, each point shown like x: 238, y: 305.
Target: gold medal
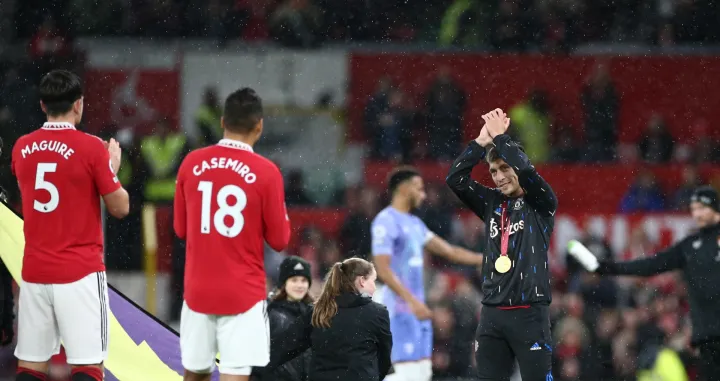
x: 503, y: 264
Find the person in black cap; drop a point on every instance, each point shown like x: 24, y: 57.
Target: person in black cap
x: 289, y: 302
x: 698, y: 256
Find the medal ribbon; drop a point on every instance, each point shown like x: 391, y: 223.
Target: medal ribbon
x: 505, y: 236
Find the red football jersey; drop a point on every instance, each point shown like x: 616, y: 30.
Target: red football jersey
x: 228, y: 201
x: 62, y: 172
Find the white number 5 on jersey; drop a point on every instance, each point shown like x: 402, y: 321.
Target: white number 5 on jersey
x: 42, y: 184
x: 224, y: 210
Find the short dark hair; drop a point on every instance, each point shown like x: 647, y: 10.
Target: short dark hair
x: 243, y: 110
x: 493, y: 153
x: 400, y: 175
x: 59, y: 89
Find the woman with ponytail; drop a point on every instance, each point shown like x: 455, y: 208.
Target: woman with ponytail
x: 349, y: 333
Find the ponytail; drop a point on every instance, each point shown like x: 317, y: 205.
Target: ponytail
x: 340, y: 279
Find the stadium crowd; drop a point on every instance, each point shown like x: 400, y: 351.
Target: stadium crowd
x: 549, y: 25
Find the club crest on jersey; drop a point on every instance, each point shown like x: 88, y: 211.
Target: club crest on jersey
x: 519, y: 203
x: 514, y: 228
x: 696, y: 245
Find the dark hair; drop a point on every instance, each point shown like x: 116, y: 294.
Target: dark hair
x: 243, y: 110
x: 59, y: 89
x: 340, y: 279
x: 400, y: 175
x: 493, y: 154
x: 281, y: 294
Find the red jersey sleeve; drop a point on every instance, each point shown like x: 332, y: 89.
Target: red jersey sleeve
x: 102, y: 172
x: 276, y: 222
x: 179, y: 211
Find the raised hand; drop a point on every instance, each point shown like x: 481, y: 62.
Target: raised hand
x: 496, y: 122
x: 113, y: 148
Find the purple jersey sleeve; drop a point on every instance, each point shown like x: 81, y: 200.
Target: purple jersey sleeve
x: 384, y: 233
x: 427, y: 233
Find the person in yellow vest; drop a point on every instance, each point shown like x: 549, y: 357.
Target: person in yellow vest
x: 161, y: 153
x: 531, y: 122
x: 207, y: 119
x: 656, y: 360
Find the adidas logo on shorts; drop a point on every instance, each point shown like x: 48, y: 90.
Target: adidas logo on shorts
x: 535, y: 347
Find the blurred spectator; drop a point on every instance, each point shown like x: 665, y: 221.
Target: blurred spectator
x: 644, y: 195
x: 690, y: 181
x: 391, y: 126
x: 48, y: 41
x: 295, y: 192
x: 464, y: 23
x: 435, y: 212
x: 207, y: 118
x: 329, y: 255
x: 657, y: 144
x: 601, y: 107
x: 445, y: 107
x: 375, y: 106
x: 531, y: 123
x: 311, y: 243
x: 355, y: 231
x: 96, y: 18
x: 295, y: 23
x: 701, y: 147
x: 249, y: 19
x: 454, y: 322
x: 512, y: 28
x: 565, y: 149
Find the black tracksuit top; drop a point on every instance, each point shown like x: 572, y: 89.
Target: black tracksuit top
x: 531, y: 222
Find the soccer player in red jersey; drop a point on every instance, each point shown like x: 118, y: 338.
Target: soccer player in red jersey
x: 62, y: 174
x: 228, y: 202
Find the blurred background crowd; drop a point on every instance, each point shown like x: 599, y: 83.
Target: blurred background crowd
x: 547, y: 25
x: 604, y: 329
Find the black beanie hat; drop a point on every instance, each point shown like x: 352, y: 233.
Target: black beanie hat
x: 706, y: 195
x: 294, y: 266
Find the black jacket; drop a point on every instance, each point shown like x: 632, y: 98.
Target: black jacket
x: 698, y: 256
x: 282, y: 314
x: 356, y: 347
x: 532, y: 219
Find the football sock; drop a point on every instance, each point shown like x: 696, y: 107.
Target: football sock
x: 87, y: 373
x: 24, y: 374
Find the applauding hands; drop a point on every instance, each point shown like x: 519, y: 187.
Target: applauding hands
x: 496, y: 123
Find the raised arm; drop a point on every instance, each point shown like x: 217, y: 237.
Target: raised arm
x: 473, y: 194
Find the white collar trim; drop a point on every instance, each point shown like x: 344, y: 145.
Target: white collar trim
x: 58, y: 126
x: 235, y: 144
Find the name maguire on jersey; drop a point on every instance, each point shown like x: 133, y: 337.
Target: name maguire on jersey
x: 62, y: 172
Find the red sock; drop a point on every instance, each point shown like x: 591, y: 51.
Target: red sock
x: 94, y: 372
x: 34, y: 373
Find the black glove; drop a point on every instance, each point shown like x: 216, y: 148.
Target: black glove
x: 606, y: 268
